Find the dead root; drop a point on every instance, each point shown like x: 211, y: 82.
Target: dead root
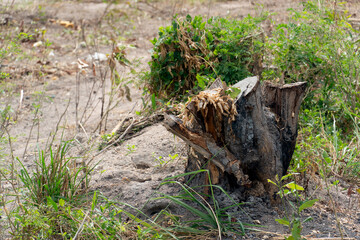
x: 130, y: 127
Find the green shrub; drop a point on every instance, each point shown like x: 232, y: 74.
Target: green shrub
x: 192, y: 52
x: 318, y: 45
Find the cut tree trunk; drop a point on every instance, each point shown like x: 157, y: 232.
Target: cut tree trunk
x: 242, y: 142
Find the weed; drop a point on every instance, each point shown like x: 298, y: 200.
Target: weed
x: 326, y: 152
x: 96, y: 219
x: 55, y: 176
x: 292, y: 220
x: 106, y: 137
x: 25, y: 37
x: 206, y: 208
x: 4, y: 75
x: 161, y: 161
x: 131, y: 149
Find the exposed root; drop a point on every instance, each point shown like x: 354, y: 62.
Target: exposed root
x: 128, y: 129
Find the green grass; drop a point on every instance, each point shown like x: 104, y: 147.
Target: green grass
x: 55, y: 204
x: 56, y: 176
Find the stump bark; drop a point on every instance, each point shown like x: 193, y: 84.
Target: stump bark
x: 245, y: 141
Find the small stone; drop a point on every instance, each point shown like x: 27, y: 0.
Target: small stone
x: 51, y: 54
x: 37, y: 44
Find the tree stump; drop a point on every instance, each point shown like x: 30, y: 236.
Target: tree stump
x: 245, y: 141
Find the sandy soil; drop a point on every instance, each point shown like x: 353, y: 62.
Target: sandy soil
x: 130, y: 172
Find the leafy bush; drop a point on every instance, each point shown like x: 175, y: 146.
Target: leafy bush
x: 318, y: 45
x: 191, y: 52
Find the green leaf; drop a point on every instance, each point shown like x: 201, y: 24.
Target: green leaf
x: 153, y: 101
x: 94, y: 202
x: 307, y: 204
x: 294, y: 186
x: 61, y: 202
x: 188, y: 18
x: 286, y: 176
x: 283, y: 221
x: 272, y: 182
x: 335, y: 183
x: 51, y: 202
x: 201, y: 81
x: 206, y: 217
x: 287, y: 191
x: 233, y: 92
x: 210, y: 37
x: 296, y: 229
x: 326, y: 157
x: 173, y: 156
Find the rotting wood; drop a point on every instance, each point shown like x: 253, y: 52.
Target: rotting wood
x: 242, y: 141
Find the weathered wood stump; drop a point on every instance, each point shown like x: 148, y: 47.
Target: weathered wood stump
x: 243, y: 142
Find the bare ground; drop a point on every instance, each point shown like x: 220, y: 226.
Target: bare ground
x: 130, y: 172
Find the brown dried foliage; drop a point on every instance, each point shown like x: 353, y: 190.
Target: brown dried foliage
x: 212, y: 106
x: 191, y: 52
